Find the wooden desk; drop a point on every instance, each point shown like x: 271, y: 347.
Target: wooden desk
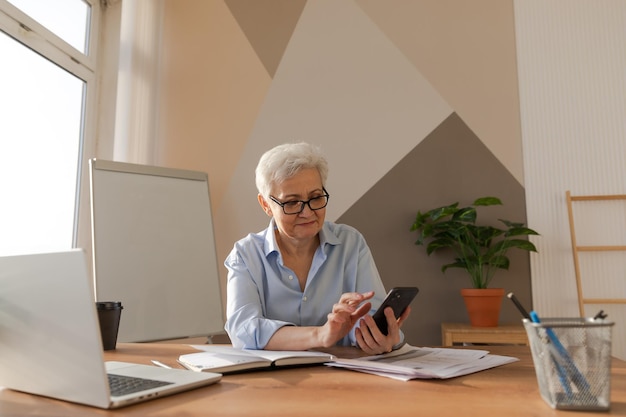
x: 509, y: 390
x: 508, y: 334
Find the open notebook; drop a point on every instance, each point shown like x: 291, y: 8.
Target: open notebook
x: 50, y: 340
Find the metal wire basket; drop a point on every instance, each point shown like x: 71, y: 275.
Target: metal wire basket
x: 572, y: 358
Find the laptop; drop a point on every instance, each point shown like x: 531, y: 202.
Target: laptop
x: 50, y: 341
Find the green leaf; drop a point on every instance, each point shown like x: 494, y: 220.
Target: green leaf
x: 441, y: 212
x: 520, y: 231
x: 519, y: 244
x: 457, y: 264
x: 442, y: 243
x: 487, y: 201
x: 466, y: 214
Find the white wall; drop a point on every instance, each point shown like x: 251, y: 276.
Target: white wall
x: 572, y: 75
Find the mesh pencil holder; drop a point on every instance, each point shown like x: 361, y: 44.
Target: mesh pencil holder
x: 572, y: 358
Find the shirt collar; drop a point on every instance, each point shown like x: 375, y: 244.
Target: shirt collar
x: 326, y: 237
x: 270, y: 239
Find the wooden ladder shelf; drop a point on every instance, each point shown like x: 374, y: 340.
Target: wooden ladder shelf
x: 582, y: 300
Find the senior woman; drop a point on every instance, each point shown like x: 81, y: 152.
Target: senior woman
x: 303, y: 282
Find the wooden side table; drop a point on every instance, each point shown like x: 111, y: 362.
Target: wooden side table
x: 509, y: 334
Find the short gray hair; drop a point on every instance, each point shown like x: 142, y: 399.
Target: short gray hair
x: 284, y: 161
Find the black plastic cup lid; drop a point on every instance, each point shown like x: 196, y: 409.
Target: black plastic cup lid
x: 109, y: 305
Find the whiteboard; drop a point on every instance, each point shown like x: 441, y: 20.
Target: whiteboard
x: 154, y: 250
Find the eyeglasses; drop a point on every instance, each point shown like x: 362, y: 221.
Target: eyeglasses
x: 297, y: 206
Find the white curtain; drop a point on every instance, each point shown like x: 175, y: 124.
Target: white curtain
x: 138, y: 81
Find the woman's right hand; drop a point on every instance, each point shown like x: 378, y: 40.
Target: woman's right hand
x: 345, y: 314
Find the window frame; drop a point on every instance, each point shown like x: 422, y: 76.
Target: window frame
x: 38, y: 38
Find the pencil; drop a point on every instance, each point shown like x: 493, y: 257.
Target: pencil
x: 519, y: 305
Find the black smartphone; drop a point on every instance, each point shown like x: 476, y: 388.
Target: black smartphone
x: 399, y: 299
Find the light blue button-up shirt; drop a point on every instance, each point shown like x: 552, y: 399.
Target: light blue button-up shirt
x: 264, y: 295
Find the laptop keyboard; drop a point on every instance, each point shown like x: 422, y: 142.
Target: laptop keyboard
x: 122, y: 385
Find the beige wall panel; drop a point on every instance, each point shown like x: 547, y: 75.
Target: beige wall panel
x: 466, y: 50
x: 213, y: 84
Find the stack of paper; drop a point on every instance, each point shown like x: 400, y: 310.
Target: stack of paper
x: 411, y: 362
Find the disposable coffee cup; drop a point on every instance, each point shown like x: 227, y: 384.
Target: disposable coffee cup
x: 109, y: 313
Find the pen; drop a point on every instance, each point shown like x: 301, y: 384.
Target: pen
x: 518, y: 305
x: 562, y: 356
x: 555, y: 356
x: 601, y: 315
x: 161, y: 364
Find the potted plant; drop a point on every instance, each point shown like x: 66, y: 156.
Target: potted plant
x: 480, y: 250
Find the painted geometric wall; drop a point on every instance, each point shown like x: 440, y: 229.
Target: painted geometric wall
x: 415, y: 104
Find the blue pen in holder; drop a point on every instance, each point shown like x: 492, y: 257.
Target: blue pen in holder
x: 572, y: 358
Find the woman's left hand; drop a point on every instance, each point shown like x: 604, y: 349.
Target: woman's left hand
x: 372, y: 341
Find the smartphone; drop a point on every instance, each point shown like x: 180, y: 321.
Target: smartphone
x: 399, y: 299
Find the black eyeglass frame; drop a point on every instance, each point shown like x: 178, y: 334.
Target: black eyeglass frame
x: 303, y: 203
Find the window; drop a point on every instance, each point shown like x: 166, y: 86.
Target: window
x: 47, y: 82
x: 68, y: 19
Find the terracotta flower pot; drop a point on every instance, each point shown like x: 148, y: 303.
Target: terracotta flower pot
x: 483, y: 305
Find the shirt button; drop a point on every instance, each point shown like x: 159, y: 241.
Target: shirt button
x: 304, y: 298
x: 290, y: 277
